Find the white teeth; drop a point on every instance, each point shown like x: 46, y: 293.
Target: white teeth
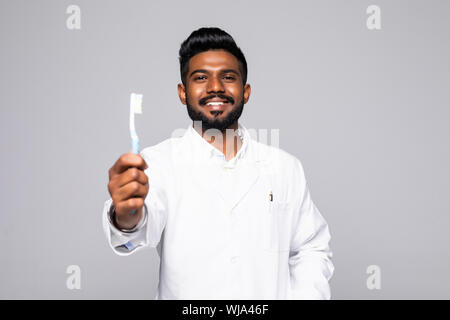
x: 214, y: 103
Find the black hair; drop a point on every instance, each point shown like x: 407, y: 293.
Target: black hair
x: 205, y: 39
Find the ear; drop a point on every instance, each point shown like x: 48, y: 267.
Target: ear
x: 182, y: 93
x: 247, y: 92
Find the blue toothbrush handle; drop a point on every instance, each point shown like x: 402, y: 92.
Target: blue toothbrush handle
x: 135, y: 146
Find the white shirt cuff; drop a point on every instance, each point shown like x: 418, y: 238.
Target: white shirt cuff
x: 125, y: 242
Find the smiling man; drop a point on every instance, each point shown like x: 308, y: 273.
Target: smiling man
x: 231, y: 218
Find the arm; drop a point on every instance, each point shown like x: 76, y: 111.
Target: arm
x: 310, y: 263
x: 148, y: 229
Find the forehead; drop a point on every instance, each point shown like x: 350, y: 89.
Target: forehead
x: 214, y: 60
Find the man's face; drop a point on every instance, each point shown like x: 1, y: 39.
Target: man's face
x: 214, y: 91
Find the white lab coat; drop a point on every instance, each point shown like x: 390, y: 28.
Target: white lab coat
x: 220, y: 236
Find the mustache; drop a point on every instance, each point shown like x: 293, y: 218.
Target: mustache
x: 224, y: 97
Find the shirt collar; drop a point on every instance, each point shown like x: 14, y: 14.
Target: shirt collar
x: 204, y: 150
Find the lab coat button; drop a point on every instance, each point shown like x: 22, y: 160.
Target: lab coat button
x: 234, y: 259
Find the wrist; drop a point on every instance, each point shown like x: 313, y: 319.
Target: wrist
x: 129, y: 221
x: 129, y: 226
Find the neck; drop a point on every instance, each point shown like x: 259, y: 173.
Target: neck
x: 228, y: 141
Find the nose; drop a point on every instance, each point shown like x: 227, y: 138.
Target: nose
x: 215, y: 85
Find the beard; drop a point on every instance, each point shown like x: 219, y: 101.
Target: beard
x: 215, y: 123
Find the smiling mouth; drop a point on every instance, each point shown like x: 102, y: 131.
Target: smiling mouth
x: 216, y: 105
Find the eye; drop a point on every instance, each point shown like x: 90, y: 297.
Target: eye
x: 228, y: 77
x: 200, y: 77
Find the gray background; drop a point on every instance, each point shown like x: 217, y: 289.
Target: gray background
x: 365, y: 111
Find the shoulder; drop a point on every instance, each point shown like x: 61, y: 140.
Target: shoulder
x: 282, y: 161
x: 162, y: 151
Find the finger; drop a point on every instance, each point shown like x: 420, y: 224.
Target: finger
x: 132, y: 174
x: 131, y: 190
x: 125, y: 161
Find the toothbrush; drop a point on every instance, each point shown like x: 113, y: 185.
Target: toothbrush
x: 135, y: 107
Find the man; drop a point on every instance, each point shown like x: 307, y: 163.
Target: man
x: 231, y: 218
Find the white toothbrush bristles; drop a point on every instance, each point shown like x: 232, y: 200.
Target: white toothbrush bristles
x: 136, y: 103
x: 135, y: 108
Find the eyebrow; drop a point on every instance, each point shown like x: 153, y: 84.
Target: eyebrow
x: 206, y: 71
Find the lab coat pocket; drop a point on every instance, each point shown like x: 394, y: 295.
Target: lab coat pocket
x: 279, y: 229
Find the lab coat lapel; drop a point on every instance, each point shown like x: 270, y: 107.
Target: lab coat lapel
x: 247, y: 175
x: 213, y: 179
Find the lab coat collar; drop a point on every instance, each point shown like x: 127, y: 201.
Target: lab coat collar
x: 206, y: 151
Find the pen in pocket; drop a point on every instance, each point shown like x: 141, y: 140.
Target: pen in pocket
x: 270, y: 201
